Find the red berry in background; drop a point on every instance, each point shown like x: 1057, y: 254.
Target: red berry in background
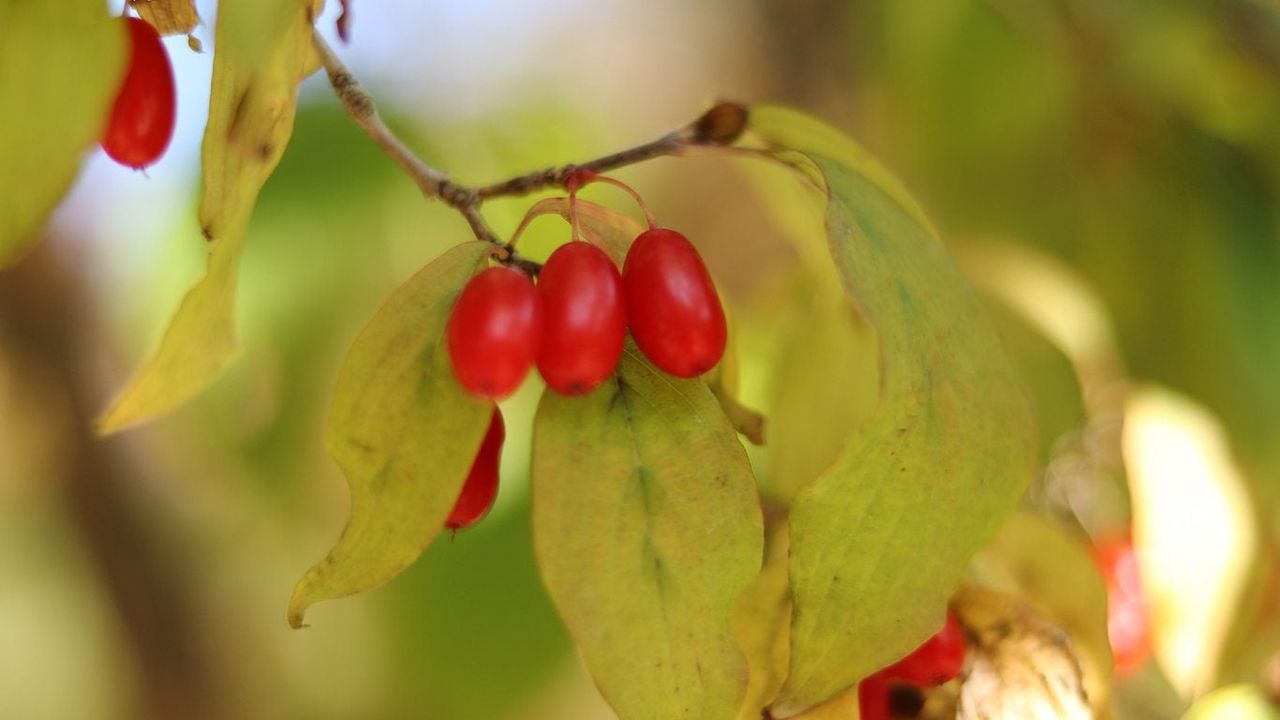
x: 584, y: 320
x: 142, y: 118
x: 1127, y: 621
x: 494, y: 332
x: 873, y: 698
x: 481, y: 486
x: 938, y: 660
x: 672, y: 306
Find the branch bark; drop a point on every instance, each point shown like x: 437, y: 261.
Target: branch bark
x: 721, y: 125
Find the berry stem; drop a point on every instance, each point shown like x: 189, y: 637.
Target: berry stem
x: 644, y: 206
x: 719, y: 126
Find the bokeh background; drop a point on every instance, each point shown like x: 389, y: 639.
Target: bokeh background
x: 1132, y: 147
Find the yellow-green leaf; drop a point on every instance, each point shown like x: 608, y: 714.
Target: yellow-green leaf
x: 262, y: 50
x: 1193, y: 528
x: 826, y: 388
x: 403, y: 431
x: 60, y: 67
x: 880, y: 540
x: 762, y: 624
x: 1234, y: 702
x: 647, y: 528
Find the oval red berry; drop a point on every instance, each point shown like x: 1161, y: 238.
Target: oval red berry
x: 938, y: 660
x: 584, y: 319
x: 493, y: 332
x: 481, y: 487
x: 672, y: 306
x: 142, y: 118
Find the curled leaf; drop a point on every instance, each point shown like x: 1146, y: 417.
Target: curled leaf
x: 880, y: 540
x: 262, y: 50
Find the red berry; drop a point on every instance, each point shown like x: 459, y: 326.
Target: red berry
x: 584, y: 320
x: 873, y: 698
x: 1127, y: 622
x: 672, y: 306
x: 142, y: 118
x: 938, y: 660
x: 494, y: 330
x: 482, y: 482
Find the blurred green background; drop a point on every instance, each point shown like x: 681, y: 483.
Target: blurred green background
x: 1135, y: 141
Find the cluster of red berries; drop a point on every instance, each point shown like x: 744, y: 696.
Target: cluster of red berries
x: 572, y: 324
x: 892, y: 692
x: 142, y: 118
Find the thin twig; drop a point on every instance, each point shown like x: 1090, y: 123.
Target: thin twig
x: 721, y: 125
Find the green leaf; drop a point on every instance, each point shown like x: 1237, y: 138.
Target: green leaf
x: 262, y: 50
x: 60, y: 67
x: 403, y: 431
x: 647, y: 528
x: 826, y: 388
x: 880, y: 540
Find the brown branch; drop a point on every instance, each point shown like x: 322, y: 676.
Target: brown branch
x: 721, y: 125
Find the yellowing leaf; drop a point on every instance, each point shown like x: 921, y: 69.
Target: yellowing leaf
x: 880, y: 540
x: 1017, y: 664
x: 762, y: 624
x: 169, y: 17
x: 1234, y: 702
x: 647, y: 528
x: 1039, y: 563
x: 61, y: 64
x: 1193, y: 529
x: 403, y: 431
x: 262, y: 50
x: 827, y: 386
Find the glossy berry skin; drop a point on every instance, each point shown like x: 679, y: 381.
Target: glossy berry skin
x: 672, y: 306
x: 584, y: 318
x: 481, y: 487
x: 1127, y: 621
x: 142, y: 119
x: 938, y: 660
x: 494, y: 332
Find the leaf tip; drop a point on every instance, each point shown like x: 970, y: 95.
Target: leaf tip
x: 298, y: 604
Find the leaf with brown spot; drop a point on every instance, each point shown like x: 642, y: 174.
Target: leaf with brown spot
x: 168, y: 17
x: 262, y: 50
